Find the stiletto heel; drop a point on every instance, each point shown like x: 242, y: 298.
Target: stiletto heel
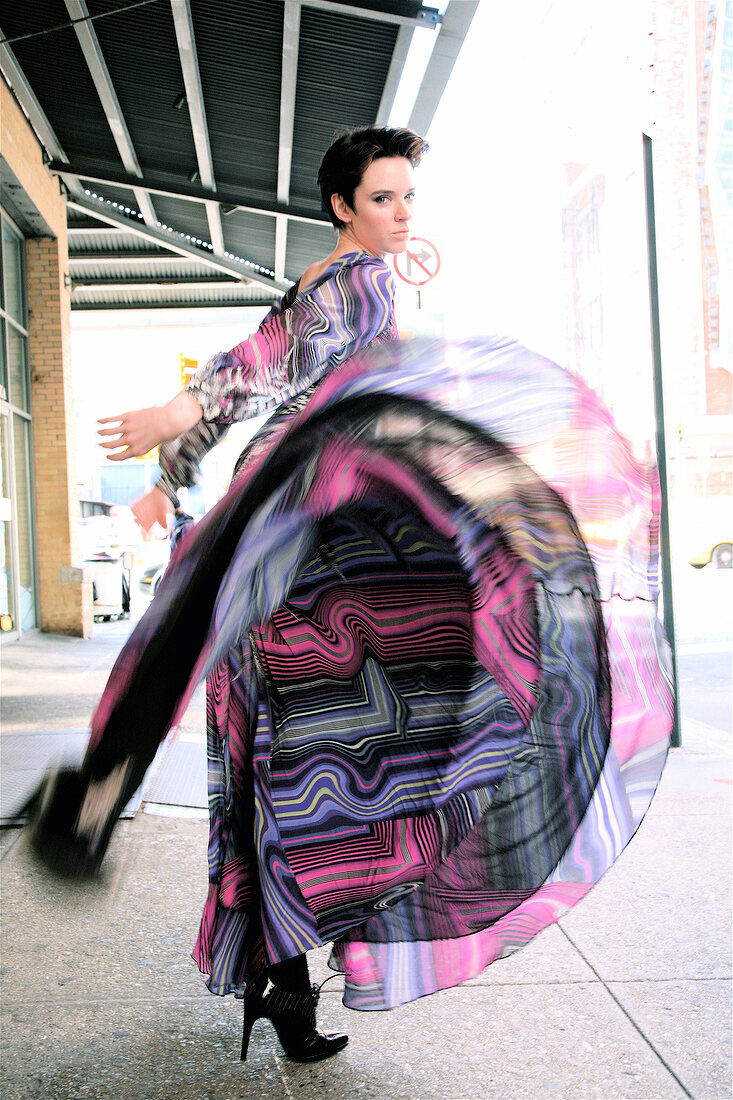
x: 293, y: 1015
x: 250, y: 1015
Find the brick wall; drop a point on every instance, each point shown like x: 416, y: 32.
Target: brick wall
x: 65, y: 599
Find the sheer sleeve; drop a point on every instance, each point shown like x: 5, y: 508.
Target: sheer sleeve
x: 179, y: 458
x: 290, y: 351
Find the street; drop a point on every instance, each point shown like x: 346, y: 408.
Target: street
x: 703, y: 606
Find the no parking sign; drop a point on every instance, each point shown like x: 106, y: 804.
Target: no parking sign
x: 419, y: 263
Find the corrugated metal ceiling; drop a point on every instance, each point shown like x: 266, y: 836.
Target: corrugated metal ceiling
x: 135, y: 162
x: 364, y: 51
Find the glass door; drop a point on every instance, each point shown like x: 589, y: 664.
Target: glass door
x: 7, y: 593
x: 17, y: 540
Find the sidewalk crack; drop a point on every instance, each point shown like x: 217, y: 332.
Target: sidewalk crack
x: 626, y: 1013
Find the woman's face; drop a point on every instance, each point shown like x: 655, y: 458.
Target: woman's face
x: 380, y: 220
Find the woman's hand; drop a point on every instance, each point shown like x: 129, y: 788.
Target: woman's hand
x: 137, y: 432
x: 152, y: 508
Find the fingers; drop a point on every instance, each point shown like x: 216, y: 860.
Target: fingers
x: 127, y: 451
x: 121, y: 446
x: 118, y: 438
x: 132, y: 434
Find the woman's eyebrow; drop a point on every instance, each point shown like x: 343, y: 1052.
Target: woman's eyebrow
x: 386, y: 191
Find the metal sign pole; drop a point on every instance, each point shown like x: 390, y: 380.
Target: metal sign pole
x: 664, y: 539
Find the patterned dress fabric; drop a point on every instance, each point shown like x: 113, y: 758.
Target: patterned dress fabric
x: 439, y: 696
x: 305, y: 335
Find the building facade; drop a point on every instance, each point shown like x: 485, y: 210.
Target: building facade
x: 42, y: 583
x: 682, y: 82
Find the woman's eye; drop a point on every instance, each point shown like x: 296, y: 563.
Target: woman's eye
x: 381, y: 199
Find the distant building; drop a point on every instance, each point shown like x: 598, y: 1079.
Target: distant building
x: 714, y: 161
x: 689, y: 116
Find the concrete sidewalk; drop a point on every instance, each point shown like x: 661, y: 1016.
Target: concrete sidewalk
x: 629, y: 996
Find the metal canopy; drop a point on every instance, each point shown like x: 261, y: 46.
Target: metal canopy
x: 188, y: 132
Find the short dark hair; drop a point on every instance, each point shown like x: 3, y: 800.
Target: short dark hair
x: 349, y: 156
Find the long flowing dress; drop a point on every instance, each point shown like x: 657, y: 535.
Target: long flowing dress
x: 439, y: 699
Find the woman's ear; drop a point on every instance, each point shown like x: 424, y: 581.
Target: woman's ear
x: 341, y: 209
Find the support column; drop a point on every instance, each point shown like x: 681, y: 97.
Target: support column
x: 65, y: 597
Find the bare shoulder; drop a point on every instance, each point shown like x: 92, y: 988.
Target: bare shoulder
x: 312, y: 273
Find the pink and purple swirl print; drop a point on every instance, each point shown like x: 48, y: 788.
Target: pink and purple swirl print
x: 439, y: 699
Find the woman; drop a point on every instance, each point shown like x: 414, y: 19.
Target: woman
x: 412, y: 643
x: 339, y: 305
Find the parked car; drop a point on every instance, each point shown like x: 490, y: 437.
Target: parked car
x: 150, y: 578
x: 720, y: 555
x: 705, y: 531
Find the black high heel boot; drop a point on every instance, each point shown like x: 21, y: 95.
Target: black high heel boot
x: 293, y: 1015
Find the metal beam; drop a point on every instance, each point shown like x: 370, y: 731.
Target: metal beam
x: 121, y: 258
x: 426, y: 17
x: 216, y: 232
x: 394, y: 75
x: 110, y: 283
x: 27, y: 98
x: 80, y: 304
x: 281, y: 245
x: 454, y: 28
x: 188, y: 55
x: 94, y: 58
x: 189, y: 191
x: 174, y: 244
x: 75, y: 230
x: 288, y: 82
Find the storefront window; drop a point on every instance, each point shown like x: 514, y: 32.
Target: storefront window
x: 14, y: 297
x: 17, y: 567
x: 17, y: 370
x: 24, y: 523
x: 7, y: 599
x: 3, y: 375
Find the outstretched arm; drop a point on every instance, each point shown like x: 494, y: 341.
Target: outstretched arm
x: 293, y: 348
x: 138, y: 431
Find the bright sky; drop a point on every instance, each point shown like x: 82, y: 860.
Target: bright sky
x: 523, y: 100
x: 489, y: 192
